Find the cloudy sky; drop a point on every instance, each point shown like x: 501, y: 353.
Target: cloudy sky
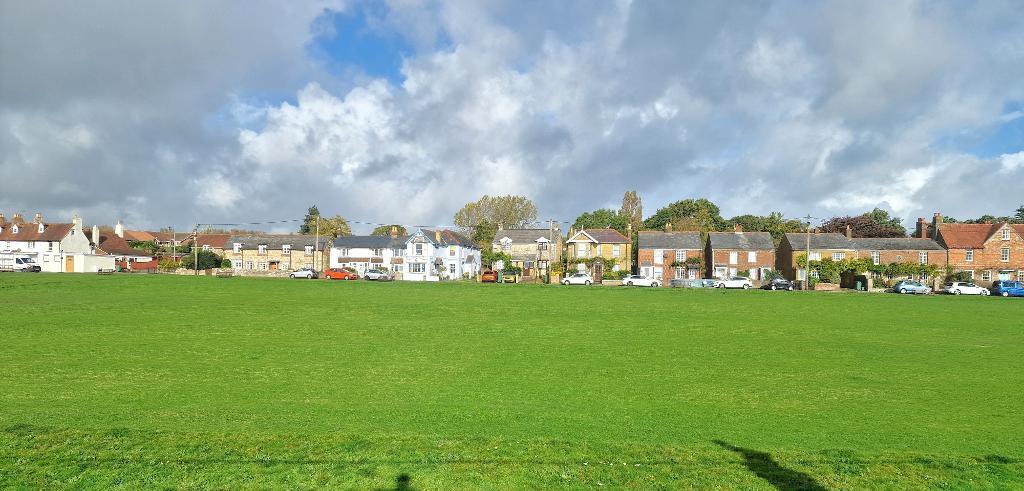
x: 172, y: 113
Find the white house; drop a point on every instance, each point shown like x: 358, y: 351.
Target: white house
x: 434, y: 255
x: 366, y: 252
x: 56, y: 247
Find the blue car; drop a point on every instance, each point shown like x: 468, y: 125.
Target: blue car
x: 1008, y: 288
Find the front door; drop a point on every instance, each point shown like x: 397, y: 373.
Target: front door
x: 1005, y: 275
x: 598, y: 271
x: 69, y: 264
x: 274, y: 265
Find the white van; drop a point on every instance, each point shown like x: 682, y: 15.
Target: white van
x: 18, y: 262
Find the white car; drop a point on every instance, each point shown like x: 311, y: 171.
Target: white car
x: 578, y: 279
x: 377, y: 275
x: 639, y: 280
x: 963, y: 288
x: 735, y: 282
x: 308, y: 274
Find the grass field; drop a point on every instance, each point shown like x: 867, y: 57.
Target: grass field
x: 162, y: 381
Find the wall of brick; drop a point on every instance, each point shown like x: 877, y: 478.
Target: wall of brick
x: 989, y: 258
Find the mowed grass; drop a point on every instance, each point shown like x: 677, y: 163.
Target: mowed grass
x: 163, y: 381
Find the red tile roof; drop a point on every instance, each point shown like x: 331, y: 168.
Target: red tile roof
x: 212, y: 240
x: 139, y: 235
x: 114, y: 245
x: 970, y: 235
x: 30, y: 231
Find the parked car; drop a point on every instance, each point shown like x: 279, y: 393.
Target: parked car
x: 639, y: 280
x: 911, y: 286
x: 307, y: 273
x: 377, y: 275
x: 707, y: 283
x: 779, y: 284
x: 735, y: 282
x: 963, y: 288
x: 22, y: 263
x: 578, y: 279
x: 489, y: 276
x: 1008, y: 288
x: 341, y: 274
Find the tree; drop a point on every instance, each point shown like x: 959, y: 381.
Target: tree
x: 882, y: 218
x: 483, y: 234
x: 332, y: 227
x: 603, y: 218
x: 633, y: 209
x: 700, y: 214
x: 861, y: 226
x: 1019, y: 217
x: 385, y: 230
x: 309, y: 219
x: 207, y: 260
x: 507, y: 211
x: 774, y: 223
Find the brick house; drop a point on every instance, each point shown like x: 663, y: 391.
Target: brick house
x: 669, y: 255
x: 277, y: 252
x: 607, y: 243
x: 986, y: 251
x: 533, y: 249
x: 890, y: 250
x: 212, y: 242
x: 729, y: 253
x: 822, y: 245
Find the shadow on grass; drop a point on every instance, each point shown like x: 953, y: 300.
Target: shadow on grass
x: 764, y: 466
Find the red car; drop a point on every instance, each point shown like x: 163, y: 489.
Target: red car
x: 489, y: 277
x: 340, y: 274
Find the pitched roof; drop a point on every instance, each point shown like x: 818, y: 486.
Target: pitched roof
x: 896, y: 244
x: 743, y: 241
x: 181, y: 236
x: 653, y: 239
x: 212, y: 240
x: 297, y: 241
x: 971, y: 235
x: 369, y: 241
x: 524, y: 235
x: 139, y: 235
x: 30, y: 231
x: 448, y: 238
x: 604, y: 235
x: 820, y: 241
x: 114, y: 245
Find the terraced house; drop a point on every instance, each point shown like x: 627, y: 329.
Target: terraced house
x: 986, y: 251
x: 269, y: 253
x: 730, y: 253
x: 55, y: 247
x: 533, y: 249
x: 668, y: 254
x: 605, y: 243
x: 836, y: 247
x: 889, y: 250
x: 366, y: 252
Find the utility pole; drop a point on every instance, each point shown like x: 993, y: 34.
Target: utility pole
x: 174, y: 237
x: 807, y: 258
x: 195, y: 250
x: 551, y: 247
x: 316, y: 246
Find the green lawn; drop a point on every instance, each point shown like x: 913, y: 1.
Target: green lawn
x: 162, y: 381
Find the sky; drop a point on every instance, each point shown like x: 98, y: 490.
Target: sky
x: 175, y: 113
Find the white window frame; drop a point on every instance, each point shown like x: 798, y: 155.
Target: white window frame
x: 922, y: 257
x: 451, y: 269
x: 236, y: 247
x: 876, y: 258
x: 969, y: 255
x: 261, y: 248
x: 616, y: 250
x: 986, y: 275
x: 417, y: 268
x: 1005, y: 234
x: 451, y: 251
x: 1004, y: 254
x: 838, y: 256
x: 236, y: 264
x: 680, y: 255
x: 307, y: 250
x: 418, y: 250
x: 286, y: 249
x: 659, y: 256
x: 206, y: 247
x: 751, y: 256
x: 734, y: 257
x: 815, y: 256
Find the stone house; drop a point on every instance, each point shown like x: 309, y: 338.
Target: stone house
x: 669, y: 255
x: 277, y: 252
x: 366, y: 252
x: 532, y: 249
x: 606, y: 243
x: 986, y: 251
x: 55, y: 247
x: 729, y: 253
x: 822, y: 245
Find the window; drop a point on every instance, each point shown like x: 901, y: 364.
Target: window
x: 752, y: 256
x: 49, y: 246
x: 46, y: 258
x: 307, y: 265
x: 286, y: 249
x: 1020, y: 275
x: 814, y: 273
x: 581, y: 250
x: 237, y: 264
x: 378, y: 252
x: 922, y: 257
x: 986, y: 275
x: 506, y: 245
x: 733, y: 257
x: 264, y: 266
x: 451, y: 251
x: 236, y: 247
x: 659, y: 256
x: 838, y: 256
x: 970, y: 274
x: 396, y: 268
x: 419, y: 251
x: 451, y: 269
x: 680, y: 255
x: 1004, y: 254
x: 1006, y: 233
x: 396, y: 252
x: 969, y: 257
x: 416, y: 267
x: 876, y: 258
x: 616, y: 250
x: 815, y: 256
x: 308, y: 250
x: 542, y: 246
x: 658, y: 273
x: 15, y: 230
x: 262, y: 249
x: 31, y: 244
x: 248, y: 265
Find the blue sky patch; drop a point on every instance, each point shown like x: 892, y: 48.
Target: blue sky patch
x: 358, y: 39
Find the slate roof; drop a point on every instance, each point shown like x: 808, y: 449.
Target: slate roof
x: 971, y: 235
x: 370, y: 242
x: 606, y: 235
x: 820, y: 241
x: 652, y: 239
x: 524, y: 235
x: 448, y: 238
x: 742, y: 241
x: 252, y: 242
x: 30, y: 231
x: 896, y: 244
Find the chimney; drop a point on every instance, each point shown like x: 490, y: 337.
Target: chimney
x: 16, y: 218
x: 849, y: 232
x: 394, y: 232
x: 922, y: 229
x: 668, y: 227
x: 936, y: 223
x: 737, y: 228
x: 119, y: 229
x: 501, y: 227
x: 95, y: 235
x: 629, y: 230
x: 39, y: 218
x: 437, y: 236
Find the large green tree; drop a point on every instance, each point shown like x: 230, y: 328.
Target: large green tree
x: 386, y: 230
x: 1019, y: 217
x: 633, y: 209
x: 603, y: 218
x: 774, y: 223
x: 506, y: 211
x: 688, y: 214
x: 207, y: 260
x: 331, y: 227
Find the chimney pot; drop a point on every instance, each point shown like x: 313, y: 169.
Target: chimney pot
x: 39, y: 218
x: 119, y: 229
x: 737, y: 228
x: 394, y: 232
x: 437, y: 236
x: 849, y: 232
x: 668, y: 227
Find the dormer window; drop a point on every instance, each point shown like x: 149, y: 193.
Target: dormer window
x: 41, y: 228
x: 286, y: 249
x: 506, y: 244
x: 236, y: 247
x: 262, y: 248
x: 1006, y: 233
x: 14, y: 229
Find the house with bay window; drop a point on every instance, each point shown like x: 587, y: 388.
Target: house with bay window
x: 533, y: 249
x: 606, y: 243
x: 366, y: 252
x: 435, y: 255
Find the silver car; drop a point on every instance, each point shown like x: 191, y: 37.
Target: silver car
x: 911, y: 286
x: 376, y: 275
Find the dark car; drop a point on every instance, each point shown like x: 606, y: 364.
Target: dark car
x: 1008, y: 288
x: 779, y: 284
